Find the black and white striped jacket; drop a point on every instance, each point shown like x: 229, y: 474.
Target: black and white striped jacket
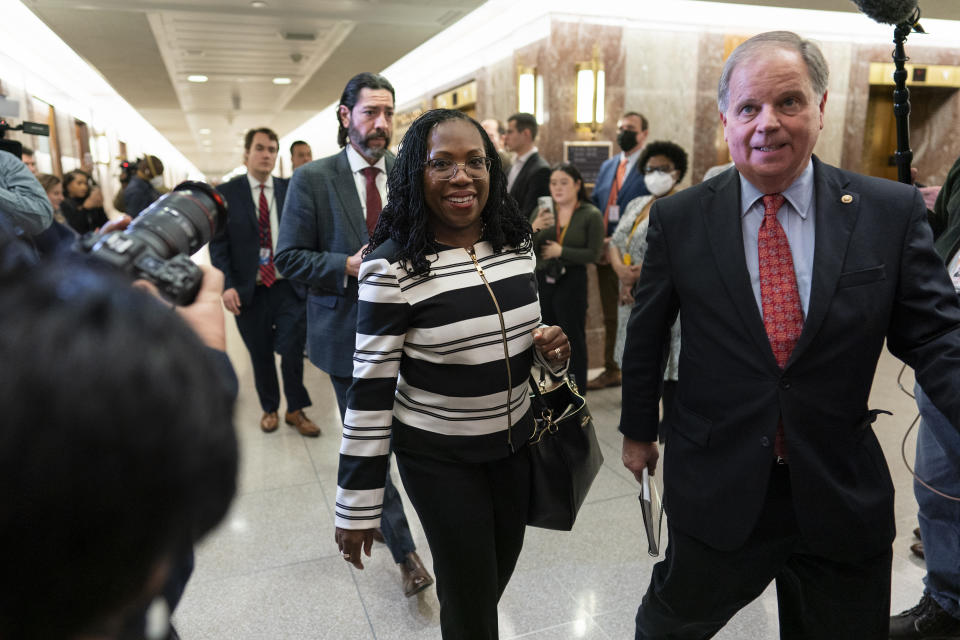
x: 430, y: 367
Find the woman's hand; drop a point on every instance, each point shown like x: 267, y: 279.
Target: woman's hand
x: 94, y: 200
x: 544, y: 219
x: 626, y: 297
x: 551, y: 249
x: 351, y: 541
x: 629, y: 274
x: 552, y: 343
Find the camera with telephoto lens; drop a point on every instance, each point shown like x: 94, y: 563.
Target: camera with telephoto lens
x: 157, y: 245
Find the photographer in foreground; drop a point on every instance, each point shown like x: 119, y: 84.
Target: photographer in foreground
x: 118, y: 449
x: 23, y: 201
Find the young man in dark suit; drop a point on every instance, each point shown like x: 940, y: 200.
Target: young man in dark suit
x: 789, y: 275
x: 332, y: 208
x: 529, y: 176
x: 269, y: 309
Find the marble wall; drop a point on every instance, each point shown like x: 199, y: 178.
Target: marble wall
x: 671, y: 77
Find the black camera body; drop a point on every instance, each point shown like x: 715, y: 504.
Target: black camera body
x: 31, y: 128
x: 157, y: 245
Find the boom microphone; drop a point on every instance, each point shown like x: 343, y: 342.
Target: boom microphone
x: 888, y: 11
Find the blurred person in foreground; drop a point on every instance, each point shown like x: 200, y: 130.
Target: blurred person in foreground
x: 789, y: 275
x: 449, y: 266
x: 662, y: 165
x: 566, y: 238
x: 107, y: 475
x: 82, y: 203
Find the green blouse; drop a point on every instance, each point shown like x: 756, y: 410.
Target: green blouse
x: 583, y: 240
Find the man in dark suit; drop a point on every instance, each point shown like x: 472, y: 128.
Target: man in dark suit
x: 269, y: 309
x: 529, y: 176
x: 331, y: 210
x: 788, y: 275
x: 618, y: 182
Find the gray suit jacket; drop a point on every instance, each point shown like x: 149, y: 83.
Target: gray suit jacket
x: 322, y: 225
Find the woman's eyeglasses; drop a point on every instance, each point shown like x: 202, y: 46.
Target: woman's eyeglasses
x: 477, y: 168
x: 663, y: 169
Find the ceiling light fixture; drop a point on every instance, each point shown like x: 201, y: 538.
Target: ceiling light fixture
x: 197, y: 78
x: 204, y: 132
x: 258, y: 4
x: 282, y: 81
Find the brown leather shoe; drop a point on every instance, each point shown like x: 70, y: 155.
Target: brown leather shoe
x: 303, y: 424
x: 609, y: 378
x: 415, y: 575
x: 269, y: 422
x: 916, y: 533
x: 917, y: 549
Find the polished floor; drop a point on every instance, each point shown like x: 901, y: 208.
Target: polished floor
x: 272, y: 569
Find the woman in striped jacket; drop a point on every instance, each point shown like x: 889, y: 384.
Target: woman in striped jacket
x: 448, y: 327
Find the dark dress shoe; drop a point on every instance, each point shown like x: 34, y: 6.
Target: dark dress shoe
x: 926, y: 621
x: 415, y: 575
x: 916, y: 533
x: 303, y: 424
x: 269, y: 422
x: 917, y: 549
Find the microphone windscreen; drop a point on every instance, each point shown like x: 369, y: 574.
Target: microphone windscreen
x: 887, y: 11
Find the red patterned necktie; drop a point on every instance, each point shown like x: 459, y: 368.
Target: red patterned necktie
x: 782, y: 313
x: 267, y: 274
x: 614, y: 190
x: 374, y: 203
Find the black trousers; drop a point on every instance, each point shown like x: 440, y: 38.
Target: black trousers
x: 474, y: 516
x: 275, y: 320
x: 565, y: 304
x: 696, y: 589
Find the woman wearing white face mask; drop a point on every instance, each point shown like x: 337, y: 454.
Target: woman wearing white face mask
x: 663, y: 165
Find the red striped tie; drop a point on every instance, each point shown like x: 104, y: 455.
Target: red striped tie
x: 780, y: 298
x: 267, y: 273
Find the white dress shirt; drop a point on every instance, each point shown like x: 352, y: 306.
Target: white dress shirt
x: 517, y: 167
x: 271, y: 197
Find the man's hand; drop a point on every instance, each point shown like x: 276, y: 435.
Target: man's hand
x: 929, y: 196
x: 351, y: 541
x: 231, y: 300
x: 353, y: 262
x: 205, y: 315
x: 638, y: 456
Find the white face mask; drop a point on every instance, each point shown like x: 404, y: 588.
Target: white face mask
x: 658, y: 183
x: 156, y: 182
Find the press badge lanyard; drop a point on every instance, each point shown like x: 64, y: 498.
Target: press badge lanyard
x: 627, y: 259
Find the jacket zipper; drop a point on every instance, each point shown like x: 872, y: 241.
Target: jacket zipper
x: 506, y: 350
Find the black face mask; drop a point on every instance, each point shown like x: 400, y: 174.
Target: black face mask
x: 627, y: 140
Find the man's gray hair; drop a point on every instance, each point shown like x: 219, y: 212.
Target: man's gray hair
x: 808, y: 50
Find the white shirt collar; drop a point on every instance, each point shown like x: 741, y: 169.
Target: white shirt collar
x: 255, y: 184
x: 526, y: 156
x: 358, y: 162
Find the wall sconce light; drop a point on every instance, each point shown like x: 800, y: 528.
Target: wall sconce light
x: 590, y: 93
x: 530, y: 92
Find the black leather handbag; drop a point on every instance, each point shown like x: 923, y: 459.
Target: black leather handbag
x: 564, y: 453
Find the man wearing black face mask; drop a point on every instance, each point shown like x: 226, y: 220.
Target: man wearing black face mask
x: 618, y: 182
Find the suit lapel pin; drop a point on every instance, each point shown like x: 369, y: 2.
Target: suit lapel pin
x: 846, y: 199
